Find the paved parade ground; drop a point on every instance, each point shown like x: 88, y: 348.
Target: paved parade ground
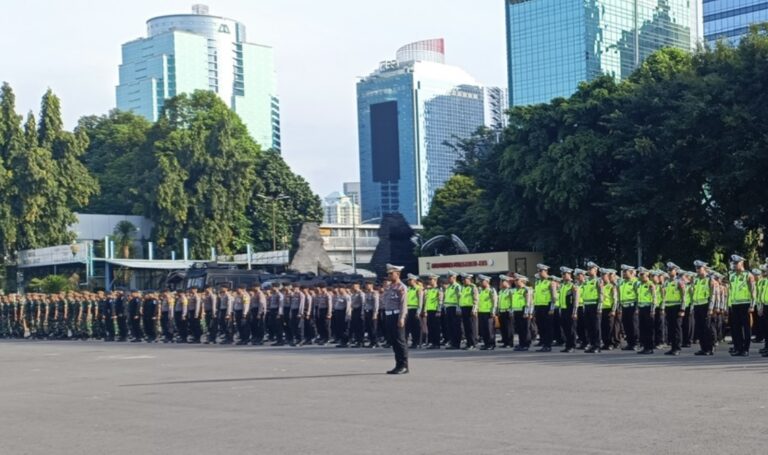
x: 95, y: 397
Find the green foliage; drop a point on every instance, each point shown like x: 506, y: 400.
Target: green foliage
x: 52, y: 284
x: 124, y: 235
x: 673, y: 160
x: 454, y: 209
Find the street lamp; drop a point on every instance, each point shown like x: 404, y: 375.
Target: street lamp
x: 274, y: 200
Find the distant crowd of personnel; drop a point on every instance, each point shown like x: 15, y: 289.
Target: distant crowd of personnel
x: 591, y: 309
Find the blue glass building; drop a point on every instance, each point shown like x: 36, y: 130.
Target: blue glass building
x: 408, y: 110
x: 187, y: 52
x: 730, y: 19
x: 552, y: 45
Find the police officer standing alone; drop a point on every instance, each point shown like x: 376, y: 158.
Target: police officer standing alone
x: 395, y: 311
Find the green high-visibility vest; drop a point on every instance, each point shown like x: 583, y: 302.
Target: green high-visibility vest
x: 589, y: 292
x: 452, y: 294
x: 432, y: 299
x: 672, y: 293
x: 485, y: 301
x: 467, y: 297
x: 505, y: 299
x: 761, y: 290
x: 412, y: 299
x: 608, y: 296
x: 542, y: 294
x: 519, y: 300
x: 628, y: 292
x: 644, y: 294
x: 701, y: 291
x: 740, y: 293
x: 562, y: 296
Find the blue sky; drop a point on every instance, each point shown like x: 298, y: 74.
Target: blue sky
x: 321, y: 47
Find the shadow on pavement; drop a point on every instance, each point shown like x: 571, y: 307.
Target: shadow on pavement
x: 265, y: 378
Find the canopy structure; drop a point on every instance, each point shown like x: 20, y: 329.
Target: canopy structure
x: 146, y: 264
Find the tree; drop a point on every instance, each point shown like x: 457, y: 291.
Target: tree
x: 11, y: 141
x: 125, y: 234
x: 112, y: 156
x: 453, y: 209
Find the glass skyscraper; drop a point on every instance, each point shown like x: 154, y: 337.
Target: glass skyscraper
x: 552, y: 45
x: 408, y: 110
x: 187, y: 52
x: 730, y: 19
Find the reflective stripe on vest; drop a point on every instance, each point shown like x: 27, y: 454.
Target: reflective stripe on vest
x: 589, y: 292
x: 672, y: 293
x: 644, y: 294
x: 740, y: 293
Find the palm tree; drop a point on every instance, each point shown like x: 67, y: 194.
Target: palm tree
x: 124, y: 233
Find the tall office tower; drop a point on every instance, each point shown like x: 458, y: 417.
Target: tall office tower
x: 408, y: 110
x: 187, y: 52
x: 552, y: 45
x: 729, y: 20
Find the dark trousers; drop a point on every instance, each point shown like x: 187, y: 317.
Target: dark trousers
x: 741, y: 329
x: 606, y: 327
x: 295, y: 326
x: 122, y: 327
x: 674, y: 326
x: 323, y: 324
x: 371, y: 328
x: 468, y: 322
x: 357, y: 325
x: 522, y: 329
x: 581, y: 327
x: 453, y: 316
x: 181, y: 326
x: 505, y: 328
x: 434, y: 327
x: 275, y: 324
x: 687, y: 327
x: 257, y: 326
x: 592, y: 325
x: 240, y: 326
x: 485, y: 323
x: 136, y: 327
x: 109, y: 327
x: 764, y: 323
x: 195, y: 327
x: 165, y: 326
x: 660, y: 326
x: 310, y: 331
x: 703, y: 328
x: 149, y: 328
x: 210, y: 325
x: 413, y: 326
x: 222, y: 325
x: 645, y: 319
x: 557, y: 332
x: 339, y: 329
x: 544, y: 324
x: 629, y: 321
x: 396, y: 338
x: 569, y: 327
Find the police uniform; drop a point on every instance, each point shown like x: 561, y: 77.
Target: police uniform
x: 568, y: 301
x: 522, y: 310
x: 674, y: 307
x: 628, y: 306
x: 591, y: 292
x: 468, y: 305
x: 415, y: 302
x: 149, y: 316
x: 357, y: 321
x: 195, y: 315
x: 371, y: 307
x: 703, y: 304
x: 544, y: 301
x: 322, y: 306
x: 395, y: 306
x: 433, y: 307
x: 741, y: 301
x: 487, y: 306
x: 166, y: 312
x: 342, y: 311
x: 451, y: 297
x: 608, y: 309
x: 646, y: 307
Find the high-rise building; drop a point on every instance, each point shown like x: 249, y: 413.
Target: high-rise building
x: 409, y: 112
x: 187, y: 52
x: 339, y: 208
x: 730, y: 19
x: 352, y: 189
x: 553, y: 45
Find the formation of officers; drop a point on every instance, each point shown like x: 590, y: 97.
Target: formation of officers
x: 590, y: 309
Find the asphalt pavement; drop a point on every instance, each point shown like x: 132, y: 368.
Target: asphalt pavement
x: 74, y: 397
